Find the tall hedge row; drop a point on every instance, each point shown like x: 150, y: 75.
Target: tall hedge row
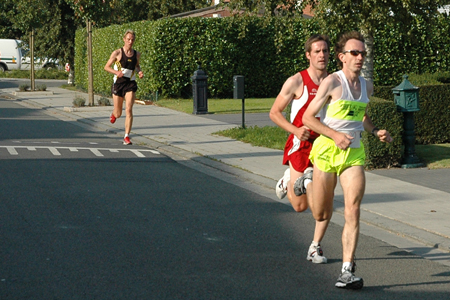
x: 172, y: 49
x: 265, y: 51
x: 424, y: 50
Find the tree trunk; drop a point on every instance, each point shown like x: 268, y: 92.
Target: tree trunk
x: 367, y: 70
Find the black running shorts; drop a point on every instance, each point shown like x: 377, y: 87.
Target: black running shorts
x: 121, y: 88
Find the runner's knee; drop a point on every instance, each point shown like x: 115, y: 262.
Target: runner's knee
x: 299, y: 204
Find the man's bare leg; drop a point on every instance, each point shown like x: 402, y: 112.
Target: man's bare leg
x: 129, y: 99
x: 299, y: 203
x: 353, y: 182
x: 118, y: 106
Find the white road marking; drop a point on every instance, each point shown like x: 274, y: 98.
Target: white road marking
x: 54, y: 151
x: 12, y: 150
x: 96, y: 151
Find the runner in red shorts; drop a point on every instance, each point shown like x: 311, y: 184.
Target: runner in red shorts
x: 299, y: 90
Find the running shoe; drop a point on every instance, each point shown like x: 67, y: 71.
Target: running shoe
x: 281, y: 187
x: 354, y: 265
x: 112, y: 118
x: 127, y: 141
x: 299, y: 185
x: 315, y: 254
x: 347, y: 280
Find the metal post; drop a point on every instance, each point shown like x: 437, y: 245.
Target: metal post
x: 90, y: 67
x: 243, y: 113
x: 238, y: 93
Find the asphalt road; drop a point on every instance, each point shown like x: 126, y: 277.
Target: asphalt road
x: 119, y: 226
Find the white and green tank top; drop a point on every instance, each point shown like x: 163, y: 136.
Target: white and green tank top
x: 347, y: 113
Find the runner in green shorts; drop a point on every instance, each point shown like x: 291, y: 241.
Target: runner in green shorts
x: 339, y: 151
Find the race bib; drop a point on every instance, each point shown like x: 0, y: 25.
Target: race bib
x: 356, y: 141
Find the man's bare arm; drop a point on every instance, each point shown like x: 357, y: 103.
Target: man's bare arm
x: 138, y: 66
x: 286, y: 95
x: 112, y: 59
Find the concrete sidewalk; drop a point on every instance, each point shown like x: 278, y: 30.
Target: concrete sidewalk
x: 408, y: 208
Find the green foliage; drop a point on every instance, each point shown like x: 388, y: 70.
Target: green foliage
x: 385, y: 116
x: 30, y: 14
x: 24, y: 87
x: 79, y: 101
x: 39, y: 74
x: 172, y: 49
x: 103, y: 101
x: 41, y: 87
x: 421, y: 51
x: 268, y: 136
x: 434, y: 104
x: 432, y: 121
x: 93, y: 10
x: 164, y: 8
x: 7, y: 29
x: 265, y: 51
x: 221, y: 106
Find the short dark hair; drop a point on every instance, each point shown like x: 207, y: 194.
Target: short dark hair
x: 316, y: 38
x: 342, y: 40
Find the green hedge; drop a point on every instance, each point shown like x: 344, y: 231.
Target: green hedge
x: 423, y: 49
x: 432, y: 121
x: 385, y: 116
x: 265, y: 52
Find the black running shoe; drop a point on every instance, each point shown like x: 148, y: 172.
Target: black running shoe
x: 299, y: 185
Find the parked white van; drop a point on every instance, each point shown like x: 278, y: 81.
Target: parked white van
x: 10, y: 55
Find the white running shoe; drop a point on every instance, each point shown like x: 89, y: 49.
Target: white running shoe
x: 347, y: 280
x: 315, y: 254
x: 281, y: 187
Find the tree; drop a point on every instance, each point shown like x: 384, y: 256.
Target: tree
x: 368, y: 15
x: 165, y: 8
x: 345, y: 15
x: 268, y: 8
x: 7, y: 31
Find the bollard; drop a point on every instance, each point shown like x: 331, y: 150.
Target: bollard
x: 200, y: 91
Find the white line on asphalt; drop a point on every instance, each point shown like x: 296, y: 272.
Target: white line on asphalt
x: 54, y: 151
x: 137, y: 153
x: 96, y: 151
x: 12, y: 151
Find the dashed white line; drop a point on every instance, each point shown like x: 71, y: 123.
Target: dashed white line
x: 137, y: 153
x: 12, y: 150
x: 96, y: 152
x: 54, y: 151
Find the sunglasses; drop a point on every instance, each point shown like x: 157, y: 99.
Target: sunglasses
x: 356, y: 52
